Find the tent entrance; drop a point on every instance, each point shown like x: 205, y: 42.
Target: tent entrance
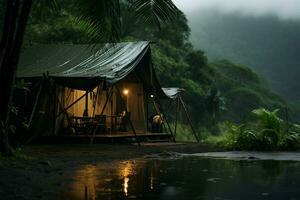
x: 117, y: 107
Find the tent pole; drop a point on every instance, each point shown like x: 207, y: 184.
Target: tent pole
x: 129, y: 120
x: 95, y: 102
x: 147, y: 110
x: 108, y: 96
x: 155, y: 106
x: 165, y: 118
x: 86, y: 110
x: 189, y: 119
x: 61, y: 107
x: 35, y: 105
x: 54, y: 109
x: 176, y: 117
x: 33, y: 112
x: 111, y: 109
x: 67, y: 108
x: 169, y: 106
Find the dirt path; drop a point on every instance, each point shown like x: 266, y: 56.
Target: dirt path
x: 51, y: 167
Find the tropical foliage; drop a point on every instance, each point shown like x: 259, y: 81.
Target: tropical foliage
x: 266, y: 131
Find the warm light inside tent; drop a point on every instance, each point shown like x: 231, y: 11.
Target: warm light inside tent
x: 125, y: 92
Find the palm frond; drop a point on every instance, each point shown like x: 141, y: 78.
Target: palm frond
x: 100, y: 19
x: 155, y: 11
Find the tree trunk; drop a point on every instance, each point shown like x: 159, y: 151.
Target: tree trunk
x: 17, y: 15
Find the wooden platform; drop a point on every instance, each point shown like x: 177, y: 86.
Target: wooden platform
x: 109, y: 138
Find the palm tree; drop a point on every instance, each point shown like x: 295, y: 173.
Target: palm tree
x: 101, y: 18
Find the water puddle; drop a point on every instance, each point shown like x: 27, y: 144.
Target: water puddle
x: 185, y: 178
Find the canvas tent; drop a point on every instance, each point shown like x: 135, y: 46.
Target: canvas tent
x: 75, y: 80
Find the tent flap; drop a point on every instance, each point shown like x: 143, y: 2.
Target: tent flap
x: 172, y: 93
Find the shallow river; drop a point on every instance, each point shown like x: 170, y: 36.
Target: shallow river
x: 186, y: 178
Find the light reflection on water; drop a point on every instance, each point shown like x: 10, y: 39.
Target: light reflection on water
x: 187, y: 178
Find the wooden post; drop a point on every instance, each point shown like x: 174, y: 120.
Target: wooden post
x: 189, y: 119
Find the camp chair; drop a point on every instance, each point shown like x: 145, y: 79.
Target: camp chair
x: 100, y: 123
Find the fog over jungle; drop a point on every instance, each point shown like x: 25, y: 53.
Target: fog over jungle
x: 287, y: 9
x: 261, y: 34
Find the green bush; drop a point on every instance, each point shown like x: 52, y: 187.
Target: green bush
x: 265, y: 132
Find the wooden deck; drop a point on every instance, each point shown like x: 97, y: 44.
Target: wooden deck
x: 109, y: 138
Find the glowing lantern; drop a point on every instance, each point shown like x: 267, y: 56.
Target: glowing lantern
x: 125, y: 92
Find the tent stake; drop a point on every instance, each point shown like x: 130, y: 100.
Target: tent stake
x: 189, y: 119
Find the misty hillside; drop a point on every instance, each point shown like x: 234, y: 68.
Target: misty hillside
x: 268, y: 45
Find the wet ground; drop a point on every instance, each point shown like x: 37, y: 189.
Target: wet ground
x: 185, y: 178
x: 152, y: 172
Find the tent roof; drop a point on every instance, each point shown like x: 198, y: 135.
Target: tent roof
x: 111, y: 62
x: 172, y: 92
x: 85, y: 66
